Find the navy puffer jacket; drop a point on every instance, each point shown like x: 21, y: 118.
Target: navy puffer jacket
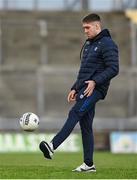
x: 99, y: 62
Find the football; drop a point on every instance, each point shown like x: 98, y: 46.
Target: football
x: 29, y: 121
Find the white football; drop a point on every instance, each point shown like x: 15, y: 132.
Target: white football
x: 29, y: 121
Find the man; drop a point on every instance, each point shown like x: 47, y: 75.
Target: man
x: 99, y: 64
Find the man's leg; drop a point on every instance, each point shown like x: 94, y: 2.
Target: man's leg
x: 82, y: 106
x: 70, y: 123
x: 76, y: 114
x: 73, y: 118
x: 87, y: 136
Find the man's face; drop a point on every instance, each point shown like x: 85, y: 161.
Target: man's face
x: 91, y: 29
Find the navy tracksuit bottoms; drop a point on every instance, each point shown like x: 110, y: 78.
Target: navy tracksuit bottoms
x: 83, y: 112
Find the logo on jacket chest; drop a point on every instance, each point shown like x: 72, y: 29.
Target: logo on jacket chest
x: 96, y: 48
x: 92, y: 49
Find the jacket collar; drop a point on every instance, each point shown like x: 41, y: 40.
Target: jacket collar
x: 103, y: 33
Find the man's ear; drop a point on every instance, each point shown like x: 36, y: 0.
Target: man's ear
x: 98, y: 26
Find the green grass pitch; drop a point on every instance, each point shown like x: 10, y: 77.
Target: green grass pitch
x: 34, y: 166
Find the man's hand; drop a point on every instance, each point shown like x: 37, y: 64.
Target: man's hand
x: 71, y: 96
x: 90, y: 87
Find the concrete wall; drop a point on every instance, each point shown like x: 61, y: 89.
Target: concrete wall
x: 37, y: 71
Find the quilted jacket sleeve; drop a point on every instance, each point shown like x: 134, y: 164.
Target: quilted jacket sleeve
x: 111, y: 62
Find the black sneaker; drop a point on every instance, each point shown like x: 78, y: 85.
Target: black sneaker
x: 45, y: 148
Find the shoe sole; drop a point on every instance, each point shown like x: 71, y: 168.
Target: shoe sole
x: 44, y: 147
x: 91, y: 171
x: 84, y: 171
